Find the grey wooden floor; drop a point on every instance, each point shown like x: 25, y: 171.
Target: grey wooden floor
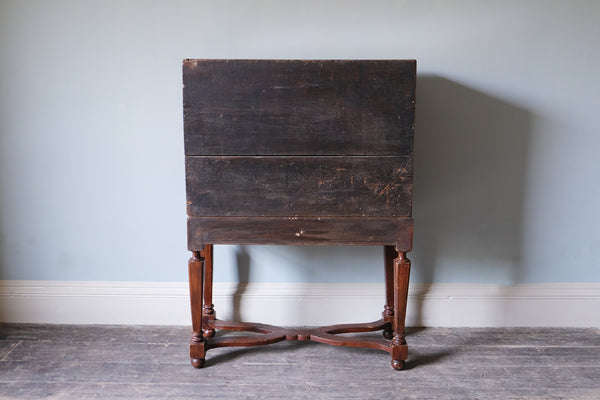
x: 84, y: 362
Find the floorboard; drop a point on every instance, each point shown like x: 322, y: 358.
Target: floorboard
x: 141, y: 362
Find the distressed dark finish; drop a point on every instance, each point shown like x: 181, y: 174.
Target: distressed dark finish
x: 299, y: 186
x: 299, y: 152
x: 294, y: 230
x: 282, y: 107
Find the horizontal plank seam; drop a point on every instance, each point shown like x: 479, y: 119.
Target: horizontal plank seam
x: 293, y: 156
x: 306, y: 217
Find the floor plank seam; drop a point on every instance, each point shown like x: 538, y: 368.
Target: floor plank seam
x: 11, y: 351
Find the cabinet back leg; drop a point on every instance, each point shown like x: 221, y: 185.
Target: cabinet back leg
x: 208, y: 311
x: 390, y: 254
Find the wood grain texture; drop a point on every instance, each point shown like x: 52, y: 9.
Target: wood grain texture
x: 290, y: 107
x: 299, y: 186
x: 300, y: 231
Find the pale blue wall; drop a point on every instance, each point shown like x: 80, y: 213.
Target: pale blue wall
x: 507, y: 174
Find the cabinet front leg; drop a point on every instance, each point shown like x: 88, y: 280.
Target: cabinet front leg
x: 401, y: 278
x: 198, y: 343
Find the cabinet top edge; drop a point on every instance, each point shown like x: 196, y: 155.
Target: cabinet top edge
x: 248, y: 60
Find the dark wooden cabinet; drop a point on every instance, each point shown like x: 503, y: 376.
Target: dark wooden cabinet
x: 299, y: 152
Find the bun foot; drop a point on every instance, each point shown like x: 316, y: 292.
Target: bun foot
x: 398, y: 365
x: 198, y: 362
x: 208, y: 333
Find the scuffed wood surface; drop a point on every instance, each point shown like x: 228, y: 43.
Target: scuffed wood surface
x: 277, y: 107
x: 309, y: 231
x: 299, y: 139
x: 299, y: 186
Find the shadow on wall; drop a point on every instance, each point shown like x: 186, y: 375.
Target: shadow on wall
x: 242, y: 259
x: 470, y: 163
x: 3, y: 250
x: 4, y: 236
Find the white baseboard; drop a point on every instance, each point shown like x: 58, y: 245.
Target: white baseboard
x: 288, y: 304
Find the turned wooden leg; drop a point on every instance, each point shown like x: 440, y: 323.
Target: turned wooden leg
x: 390, y: 254
x: 198, y: 343
x: 208, y: 313
x: 401, y: 278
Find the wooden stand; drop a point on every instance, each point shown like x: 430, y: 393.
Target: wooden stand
x: 299, y: 152
x: 204, y: 321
